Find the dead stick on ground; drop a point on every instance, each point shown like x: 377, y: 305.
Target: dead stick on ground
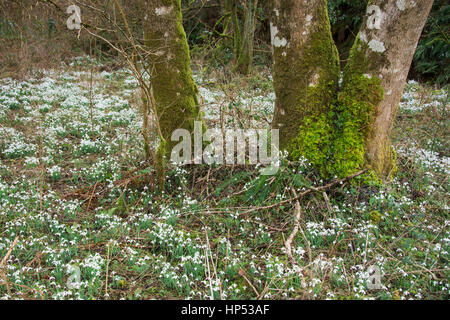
x: 242, y: 274
x: 207, y: 266
x: 92, y: 195
x: 41, y: 167
x: 327, y: 202
x: 107, y: 269
x: 209, y: 256
x: 3, y: 264
x: 305, y: 239
x: 288, y: 243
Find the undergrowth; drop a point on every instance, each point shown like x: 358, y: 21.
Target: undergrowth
x: 79, y: 195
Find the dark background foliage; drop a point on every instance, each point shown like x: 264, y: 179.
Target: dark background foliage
x: 206, y: 24
x: 432, y: 58
x: 40, y: 36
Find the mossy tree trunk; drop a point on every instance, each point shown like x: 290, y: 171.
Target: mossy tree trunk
x: 232, y: 7
x: 243, y: 33
x: 306, y: 64
x: 342, y: 129
x: 384, y: 50
x: 169, y: 63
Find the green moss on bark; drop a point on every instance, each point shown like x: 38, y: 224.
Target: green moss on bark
x: 243, y: 37
x: 173, y: 85
x: 334, y: 141
x: 307, y: 75
x: 174, y: 89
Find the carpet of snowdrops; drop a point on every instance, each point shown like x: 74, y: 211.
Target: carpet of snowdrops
x: 79, y: 230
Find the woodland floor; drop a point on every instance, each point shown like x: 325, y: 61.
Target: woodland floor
x: 76, y: 192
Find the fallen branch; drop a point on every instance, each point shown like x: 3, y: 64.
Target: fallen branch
x: 327, y: 202
x: 242, y: 274
x: 3, y: 264
x: 288, y: 243
x: 107, y: 269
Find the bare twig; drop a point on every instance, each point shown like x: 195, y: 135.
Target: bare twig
x: 327, y: 201
x: 3, y: 265
x: 288, y: 243
x: 107, y: 270
x: 242, y: 274
x: 207, y: 266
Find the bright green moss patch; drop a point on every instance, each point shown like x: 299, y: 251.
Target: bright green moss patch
x: 308, y: 75
x: 334, y: 141
x: 313, y: 141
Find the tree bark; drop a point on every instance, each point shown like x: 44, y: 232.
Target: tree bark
x: 173, y: 86
x: 245, y: 58
x: 384, y: 49
x: 306, y: 64
x: 232, y: 7
x: 342, y: 129
x: 243, y: 35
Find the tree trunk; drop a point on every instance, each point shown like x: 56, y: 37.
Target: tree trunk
x: 384, y: 49
x: 306, y: 64
x: 245, y: 58
x: 342, y: 129
x: 243, y: 35
x: 173, y: 86
x: 232, y: 7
